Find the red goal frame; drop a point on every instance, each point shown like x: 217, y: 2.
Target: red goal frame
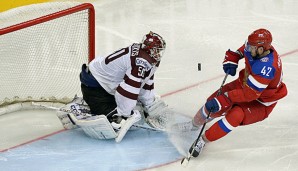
x: 59, y: 14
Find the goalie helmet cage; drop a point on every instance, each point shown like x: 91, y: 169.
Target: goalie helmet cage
x: 42, y: 48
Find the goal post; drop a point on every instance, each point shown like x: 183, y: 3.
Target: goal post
x: 42, y: 48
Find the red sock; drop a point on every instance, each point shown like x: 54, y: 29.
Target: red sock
x: 222, y: 127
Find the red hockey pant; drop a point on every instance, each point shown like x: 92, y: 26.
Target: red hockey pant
x: 239, y: 114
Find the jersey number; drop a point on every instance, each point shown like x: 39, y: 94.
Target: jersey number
x: 141, y: 71
x: 266, y: 71
x: 116, y: 55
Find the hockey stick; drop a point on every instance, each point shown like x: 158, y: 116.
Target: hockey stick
x: 185, y: 160
x: 88, y: 115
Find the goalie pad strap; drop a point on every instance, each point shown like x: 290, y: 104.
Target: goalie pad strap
x: 71, y: 119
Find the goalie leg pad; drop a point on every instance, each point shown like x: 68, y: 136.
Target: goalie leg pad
x: 77, y: 107
x: 66, y: 120
x: 97, y: 127
x: 126, y: 125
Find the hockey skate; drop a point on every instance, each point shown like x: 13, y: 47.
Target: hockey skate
x: 184, y: 127
x: 197, y: 148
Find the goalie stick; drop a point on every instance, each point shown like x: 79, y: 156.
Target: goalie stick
x: 185, y: 160
x: 88, y: 115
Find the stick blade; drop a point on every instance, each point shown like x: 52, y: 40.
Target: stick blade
x: 184, y: 162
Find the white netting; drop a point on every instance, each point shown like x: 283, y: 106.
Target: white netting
x: 30, y: 12
x: 42, y: 62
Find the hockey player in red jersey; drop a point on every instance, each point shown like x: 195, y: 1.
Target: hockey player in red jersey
x: 248, y: 99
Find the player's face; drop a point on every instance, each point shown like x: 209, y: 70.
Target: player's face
x: 157, y: 53
x: 257, y: 51
x: 254, y: 50
x: 154, y: 61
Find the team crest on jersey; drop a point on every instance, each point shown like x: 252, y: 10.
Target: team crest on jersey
x: 265, y: 59
x: 143, y: 63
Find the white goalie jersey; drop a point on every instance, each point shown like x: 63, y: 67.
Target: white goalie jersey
x: 128, y: 75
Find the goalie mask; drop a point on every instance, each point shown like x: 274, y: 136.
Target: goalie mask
x: 154, y: 45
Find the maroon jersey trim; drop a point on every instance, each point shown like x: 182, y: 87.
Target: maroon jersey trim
x: 126, y: 93
x: 131, y: 82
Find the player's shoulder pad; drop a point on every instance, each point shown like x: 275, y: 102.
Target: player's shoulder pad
x: 264, y: 67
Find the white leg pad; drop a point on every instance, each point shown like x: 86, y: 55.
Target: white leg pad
x: 97, y: 127
x: 78, y: 109
x: 66, y: 120
x: 126, y: 124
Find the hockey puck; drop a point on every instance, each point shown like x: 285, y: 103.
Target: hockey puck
x: 199, y: 66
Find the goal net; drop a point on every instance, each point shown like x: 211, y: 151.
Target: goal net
x: 42, y: 49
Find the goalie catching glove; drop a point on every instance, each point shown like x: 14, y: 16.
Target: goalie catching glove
x: 158, y: 114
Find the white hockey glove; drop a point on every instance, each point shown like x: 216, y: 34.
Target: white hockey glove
x: 159, y: 115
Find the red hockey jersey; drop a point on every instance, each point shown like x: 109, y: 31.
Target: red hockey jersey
x: 261, y: 79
